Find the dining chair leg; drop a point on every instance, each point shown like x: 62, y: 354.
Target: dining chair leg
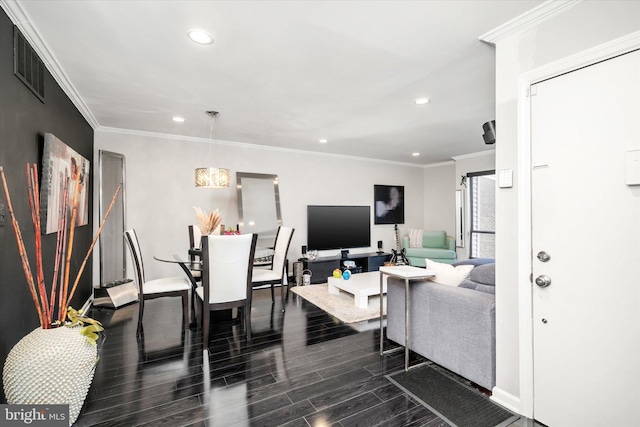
x: 282, y: 294
x: 247, y: 321
x: 206, y: 317
x: 140, y: 314
x: 272, y: 297
x: 185, y: 309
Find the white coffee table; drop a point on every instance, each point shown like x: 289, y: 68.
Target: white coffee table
x: 361, y: 286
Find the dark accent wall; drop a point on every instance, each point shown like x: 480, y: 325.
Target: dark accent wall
x: 24, y: 120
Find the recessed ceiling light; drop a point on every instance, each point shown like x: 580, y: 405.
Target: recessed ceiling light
x: 421, y: 101
x: 415, y: 154
x: 322, y: 141
x: 200, y: 36
x: 178, y: 119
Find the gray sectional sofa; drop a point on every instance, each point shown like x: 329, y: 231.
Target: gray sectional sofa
x: 453, y: 326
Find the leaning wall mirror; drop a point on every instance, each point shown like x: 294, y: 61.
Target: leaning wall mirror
x: 112, y: 245
x: 259, y: 206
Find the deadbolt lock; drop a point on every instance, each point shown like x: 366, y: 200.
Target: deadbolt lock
x: 543, y: 256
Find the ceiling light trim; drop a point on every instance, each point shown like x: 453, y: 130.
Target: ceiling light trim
x: 21, y: 20
x: 528, y: 20
x: 199, y: 36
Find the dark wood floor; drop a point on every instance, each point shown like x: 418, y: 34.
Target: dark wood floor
x: 302, y: 368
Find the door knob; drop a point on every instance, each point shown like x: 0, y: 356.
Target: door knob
x: 543, y: 256
x: 543, y: 281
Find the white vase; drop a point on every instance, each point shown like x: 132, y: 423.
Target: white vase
x: 49, y: 367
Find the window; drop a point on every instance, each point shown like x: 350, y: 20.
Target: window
x: 482, y: 197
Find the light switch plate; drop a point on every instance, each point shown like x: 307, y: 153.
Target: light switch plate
x: 505, y: 178
x: 632, y: 167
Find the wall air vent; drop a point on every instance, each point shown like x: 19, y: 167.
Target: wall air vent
x: 27, y: 65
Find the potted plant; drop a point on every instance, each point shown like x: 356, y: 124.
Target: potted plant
x: 55, y: 363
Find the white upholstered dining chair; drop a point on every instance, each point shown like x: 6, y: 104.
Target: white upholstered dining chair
x: 275, y: 273
x: 226, y: 278
x: 157, y: 288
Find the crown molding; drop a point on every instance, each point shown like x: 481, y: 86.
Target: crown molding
x: 528, y: 20
x: 478, y: 154
x: 437, y: 165
x: 147, y: 134
x: 21, y: 20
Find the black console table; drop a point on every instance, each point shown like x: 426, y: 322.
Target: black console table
x: 322, y: 268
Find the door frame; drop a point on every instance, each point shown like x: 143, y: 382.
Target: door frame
x: 574, y: 62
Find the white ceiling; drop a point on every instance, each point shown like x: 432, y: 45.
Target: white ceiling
x: 281, y: 73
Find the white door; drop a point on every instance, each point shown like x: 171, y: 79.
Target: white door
x: 586, y: 333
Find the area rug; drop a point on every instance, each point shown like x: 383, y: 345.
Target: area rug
x: 452, y: 401
x: 341, y: 306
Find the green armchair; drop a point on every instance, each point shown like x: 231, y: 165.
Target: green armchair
x: 436, y: 245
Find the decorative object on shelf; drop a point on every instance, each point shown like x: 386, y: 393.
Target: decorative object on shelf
x: 306, y: 277
x: 346, y: 275
x: 54, y: 364
x: 208, y: 222
x: 298, y: 267
x: 337, y: 273
x: 389, y: 204
x: 312, y: 255
x: 211, y: 177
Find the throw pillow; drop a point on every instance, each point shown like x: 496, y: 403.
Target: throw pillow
x: 415, y: 237
x: 447, y: 274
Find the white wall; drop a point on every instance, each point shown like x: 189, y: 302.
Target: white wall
x: 160, y: 192
x: 585, y: 25
x: 439, y: 198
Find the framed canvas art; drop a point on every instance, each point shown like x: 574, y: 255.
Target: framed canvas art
x: 59, y: 162
x: 389, y: 204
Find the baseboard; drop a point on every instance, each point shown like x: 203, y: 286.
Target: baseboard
x: 87, y: 304
x: 506, y: 400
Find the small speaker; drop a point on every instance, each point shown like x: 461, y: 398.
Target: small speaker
x: 379, y: 246
x: 489, y: 132
x: 304, y: 250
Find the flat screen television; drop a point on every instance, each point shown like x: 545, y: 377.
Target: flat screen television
x: 338, y: 227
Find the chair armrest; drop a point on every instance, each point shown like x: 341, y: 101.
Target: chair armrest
x: 405, y: 241
x: 451, y: 243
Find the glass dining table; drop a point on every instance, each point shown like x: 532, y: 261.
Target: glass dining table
x: 192, y: 267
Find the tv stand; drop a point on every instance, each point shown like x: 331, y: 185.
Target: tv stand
x: 322, y: 268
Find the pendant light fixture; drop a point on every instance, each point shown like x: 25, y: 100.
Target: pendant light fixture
x: 212, y: 177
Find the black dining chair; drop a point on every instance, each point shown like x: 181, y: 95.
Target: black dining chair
x: 157, y: 288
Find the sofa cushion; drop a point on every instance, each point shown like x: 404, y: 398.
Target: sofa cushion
x: 447, y: 274
x: 431, y: 253
x: 415, y: 237
x: 476, y: 261
x: 434, y: 239
x: 481, y: 278
x: 485, y: 274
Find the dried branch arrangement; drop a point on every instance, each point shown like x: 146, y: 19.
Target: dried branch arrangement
x: 208, y: 222
x: 51, y: 312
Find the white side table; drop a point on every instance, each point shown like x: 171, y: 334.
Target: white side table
x: 407, y: 273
